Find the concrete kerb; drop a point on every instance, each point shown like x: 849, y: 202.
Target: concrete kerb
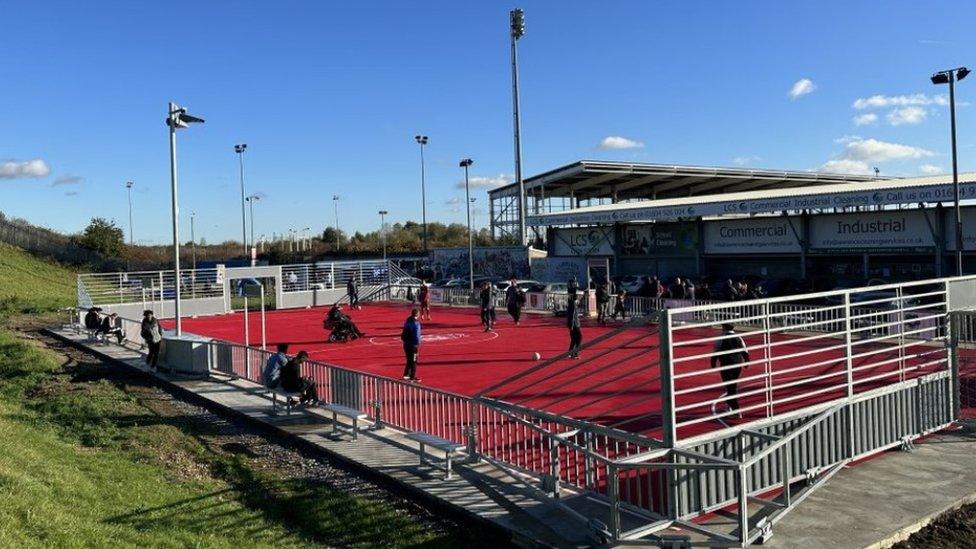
x: 906, y: 532
x: 486, y: 528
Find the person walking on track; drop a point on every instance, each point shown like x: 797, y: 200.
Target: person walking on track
x: 352, y: 288
x: 602, y: 302
x: 575, y: 331
x: 618, y: 305
x: 411, y: 344
x: 487, y: 297
x: 730, y: 353
x: 423, y: 295
x: 514, y: 300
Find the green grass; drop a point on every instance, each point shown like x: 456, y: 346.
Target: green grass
x: 28, y: 284
x: 85, y: 463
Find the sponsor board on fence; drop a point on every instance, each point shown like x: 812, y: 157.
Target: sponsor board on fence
x: 764, y: 235
x: 498, y: 262
x: 586, y: 241
x: 560, y: 269
x: 890, y: 230
x: 660, y: 239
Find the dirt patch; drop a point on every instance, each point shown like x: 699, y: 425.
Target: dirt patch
x: 952, y: 530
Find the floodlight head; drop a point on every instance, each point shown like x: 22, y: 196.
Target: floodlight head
x: 466, y: 162
x: 383, y: 212
x: 422, y: 139
x: 335, y: 197
x: 240, y: 148
x: 518, y: 23
x: 940, y: 78
x: 129, y: 184
x: 961, y: 73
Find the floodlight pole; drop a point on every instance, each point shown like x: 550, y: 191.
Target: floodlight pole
x: 335, y: 205
x: 383, y: 230
x: 239, y: 149
x: 467, y: 194
x: 173, y: 119
x: 422, y: 140
x: 517, y: 18
x: 193, y: 240
x: 128, y: 186
x: 950, y: 77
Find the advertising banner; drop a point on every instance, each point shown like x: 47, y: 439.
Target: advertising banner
x: 760, y: 235
x: 498, y: 262
x: 560, y: 269
x: 586, y: 241
x: 660, y: 239
x: 888, y: 230
x: 968, y: 228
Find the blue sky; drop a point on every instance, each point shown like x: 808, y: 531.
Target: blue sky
x: 328, y: 97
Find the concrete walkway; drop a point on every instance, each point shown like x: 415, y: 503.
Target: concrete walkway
x: 873, y: 504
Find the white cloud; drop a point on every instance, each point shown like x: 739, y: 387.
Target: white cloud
x: 857, y: 167
x: 13, y: 169
x: 906, y: 115
x: 615, y: 142
x: 71, y: 193
x: 865, y: 119
x: 67, y: 180
x: 861, y: 154
x: 481, y: 182
x: 745, y: 160
x: 885, y: 101
x: 873, y: 150
x: 930, y: 169
x: 802, y: 87
x: 452, y: 201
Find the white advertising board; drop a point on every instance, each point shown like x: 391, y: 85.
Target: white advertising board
x: 586, y: 241
x: 560, y: 269
x: 897, y: 229
x: 762, y: 235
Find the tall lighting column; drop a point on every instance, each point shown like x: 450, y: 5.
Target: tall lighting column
x: 335, y: 205
x: 177, y: 118
x: 128, y: 186
x: 466, y: 163
x: 383, y: 230
x: 422, y: 140
x: 518, y: 30
x: 239, y: 149
x: 950, y: 77
x: 251, y: 200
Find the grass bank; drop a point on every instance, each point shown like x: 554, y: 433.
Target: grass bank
x: 85, y: 460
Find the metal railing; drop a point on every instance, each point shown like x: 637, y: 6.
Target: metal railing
x: 335, y: 275
x: 146, y: 287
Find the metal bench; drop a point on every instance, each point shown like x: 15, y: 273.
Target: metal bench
x: 449, y: 447
x: 287, y: 396
x: 345, y: 411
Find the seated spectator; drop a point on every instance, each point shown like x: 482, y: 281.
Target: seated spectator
x: 91, y: 319
x: 293, y: 382
x: 271, y: 376
x: 110, y: 326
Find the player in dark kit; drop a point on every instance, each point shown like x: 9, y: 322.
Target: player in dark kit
x: 730, y: 353
x: 514, y: 300
x: 487, y: 297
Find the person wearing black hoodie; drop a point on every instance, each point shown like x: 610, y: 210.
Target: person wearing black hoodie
x: 293, y: 382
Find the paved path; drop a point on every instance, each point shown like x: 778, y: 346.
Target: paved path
x: 873, y: 504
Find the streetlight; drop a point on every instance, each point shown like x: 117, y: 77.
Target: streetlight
x: 239, y: 149
x: 335, y: 205
x: 251, y: 200
x: 128, y: 186
x: 305, y: 239
x: 292, y: 240
x: 193, y: 240
x: 950, y: 77
x: 176, y: 118
x: 466, y: 163
x: 422, y: 140
x: 383, y: 230
x: 517, y: 17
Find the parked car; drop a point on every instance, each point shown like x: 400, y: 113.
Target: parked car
x: 526, y: 285
x: 451, y: 283
x: 630, y: 283
x: 551, y: 288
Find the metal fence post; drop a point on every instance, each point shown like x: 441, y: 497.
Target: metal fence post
x: 613, y: 494
x: 378, y: 404
x: 849, y: 366
x: 589, y: 475
x: 668, y: 417
x: 472, y: 432
x: 743, y: 490
x: 955, y: 325
x: 554, y: 465
x: 768, y: 364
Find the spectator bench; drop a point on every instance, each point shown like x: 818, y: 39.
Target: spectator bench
x: 286, y: 396
x: 345, y: 411
x: 449, y: 447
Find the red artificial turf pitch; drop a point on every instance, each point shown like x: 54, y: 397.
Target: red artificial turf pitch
x: 617, y: 382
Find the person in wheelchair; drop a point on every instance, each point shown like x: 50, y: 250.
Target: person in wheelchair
x: 341, y: 326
